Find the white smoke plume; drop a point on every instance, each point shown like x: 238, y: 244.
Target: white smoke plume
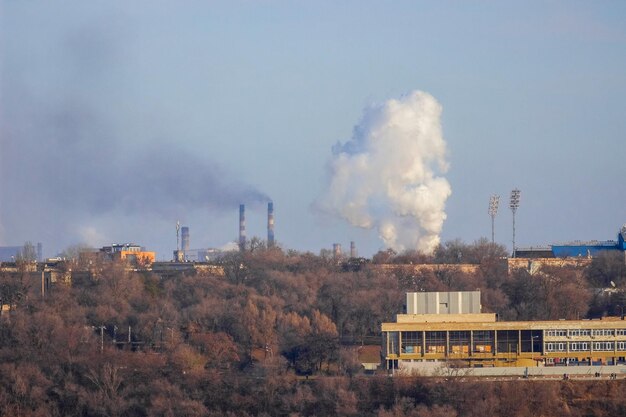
x: 389, y: 174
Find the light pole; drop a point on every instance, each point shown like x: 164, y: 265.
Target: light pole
x: 514, y: 205
x: 532, y: 346
x: 494, y: 202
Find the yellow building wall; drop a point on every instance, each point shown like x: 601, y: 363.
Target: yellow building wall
x: 144, y: 257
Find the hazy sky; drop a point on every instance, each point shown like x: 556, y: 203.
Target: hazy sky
x: 119, y: 118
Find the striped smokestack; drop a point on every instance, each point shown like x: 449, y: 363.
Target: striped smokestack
x: 242, y: 227
x: 352, y: 249
x: 270, y: 224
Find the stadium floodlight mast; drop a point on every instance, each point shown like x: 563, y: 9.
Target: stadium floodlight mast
x: 494, y: 202
x: 514, y: 205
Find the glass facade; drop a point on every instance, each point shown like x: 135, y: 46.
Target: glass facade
x: 411, y: 342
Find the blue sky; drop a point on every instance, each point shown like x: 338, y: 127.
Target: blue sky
x: 253, y: 95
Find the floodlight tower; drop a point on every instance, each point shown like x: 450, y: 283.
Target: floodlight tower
x: 514, y: 205
x: 494, y: 202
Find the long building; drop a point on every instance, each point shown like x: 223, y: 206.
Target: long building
x: 467, y: 338
x: 576, y: 249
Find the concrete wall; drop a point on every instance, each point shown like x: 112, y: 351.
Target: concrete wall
x: 533, y: 265
x: 445, y: 369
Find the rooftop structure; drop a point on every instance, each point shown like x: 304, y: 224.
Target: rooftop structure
x: 457, y: 302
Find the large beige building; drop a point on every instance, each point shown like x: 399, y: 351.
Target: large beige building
x: 474, y: 339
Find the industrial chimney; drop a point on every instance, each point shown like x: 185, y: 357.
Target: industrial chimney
x: 336, y: 250
x: 270, y: 224
x: 184, y: 238
x: 352, y: 249
x: 242, y: 227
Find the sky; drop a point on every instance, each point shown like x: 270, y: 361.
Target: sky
x: 118, y: 119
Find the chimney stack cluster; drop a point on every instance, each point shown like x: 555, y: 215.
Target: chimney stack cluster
x: 270, y: 226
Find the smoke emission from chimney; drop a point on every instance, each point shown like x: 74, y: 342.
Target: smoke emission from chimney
x: 80, y: 146
x: 389, y: 174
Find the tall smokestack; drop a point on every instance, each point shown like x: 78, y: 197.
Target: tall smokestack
x: 270, y: 224
x: 336, y: 250
x: 184, y: 239
x: 242, y: 227
x: 352, y: 249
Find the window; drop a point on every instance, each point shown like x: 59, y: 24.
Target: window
x: 508, y: 341
x: 555, y: 347
x: 602, y: 332
x: 556, y: 333
x: 483, y: 341
x: 411, y: 342
x: 579, y: 332
x: 435, y: 342
x: 603, y: 346
x: 459, y: 342
x: 579, y: 346
x: 392, y: 343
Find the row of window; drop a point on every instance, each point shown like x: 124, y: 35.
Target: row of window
x: 585, y: 346
x: 585, y: 332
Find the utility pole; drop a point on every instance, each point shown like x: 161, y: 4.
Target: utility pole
x: 494, y: 202
x: 514, y: 205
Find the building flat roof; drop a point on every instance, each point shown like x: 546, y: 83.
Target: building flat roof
x: 604, y: 323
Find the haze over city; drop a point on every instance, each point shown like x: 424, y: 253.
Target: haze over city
x: 119, y: 119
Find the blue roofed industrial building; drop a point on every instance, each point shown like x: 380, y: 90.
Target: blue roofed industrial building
x: 576, y: 249
x: 592, y: 248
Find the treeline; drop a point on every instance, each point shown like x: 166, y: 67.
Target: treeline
x: 277, y: 335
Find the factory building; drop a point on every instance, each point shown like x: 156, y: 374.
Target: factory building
x: 448, y: 327
x: 592, y: 248
x: 128, y: 251
x: 576, y: 249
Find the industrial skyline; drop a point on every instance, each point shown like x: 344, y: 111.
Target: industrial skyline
x: 114, y: 125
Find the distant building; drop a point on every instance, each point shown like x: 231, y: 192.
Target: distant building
x: 129, y: 251
x: 576, y: 249
x: 432, y: 335
x: 592, y: 248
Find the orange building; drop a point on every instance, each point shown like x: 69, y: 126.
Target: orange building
x: 130, y: 252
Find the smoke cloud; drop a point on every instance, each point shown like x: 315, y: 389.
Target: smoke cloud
x: 389, y: 174
x: 80, y: 143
